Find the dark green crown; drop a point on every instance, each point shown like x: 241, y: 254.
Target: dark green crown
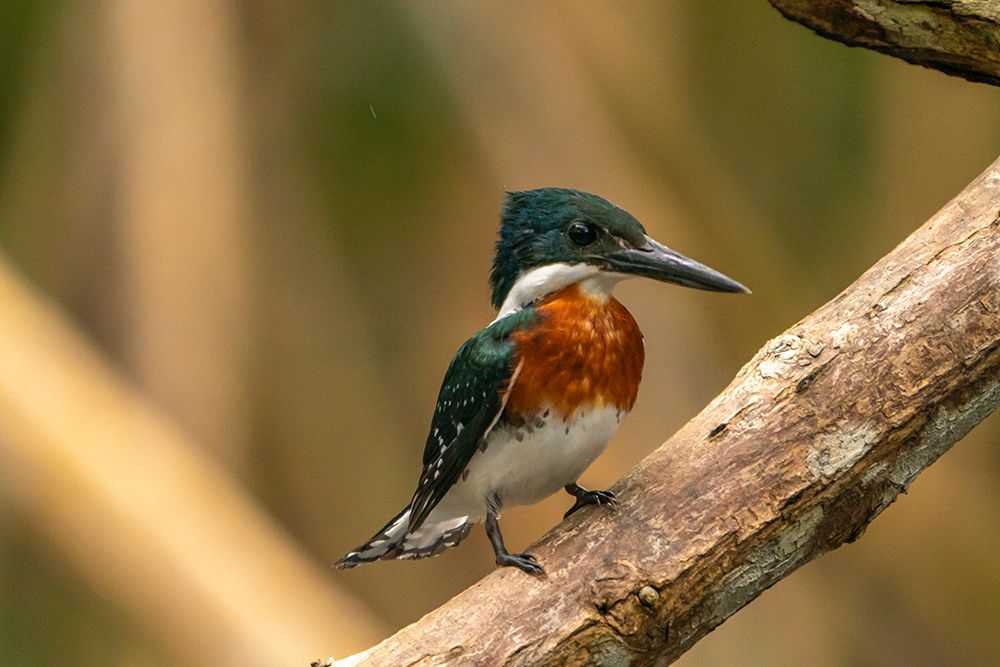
x: 537, y: 228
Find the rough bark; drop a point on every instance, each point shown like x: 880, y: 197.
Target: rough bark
x: 815, y: 437
x: 959, y: 37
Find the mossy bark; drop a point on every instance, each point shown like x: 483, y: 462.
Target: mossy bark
x: 959, y: 37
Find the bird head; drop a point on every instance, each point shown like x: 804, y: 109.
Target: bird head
x: 553, y: 237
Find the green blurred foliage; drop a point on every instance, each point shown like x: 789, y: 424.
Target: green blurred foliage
x: 24, y: 28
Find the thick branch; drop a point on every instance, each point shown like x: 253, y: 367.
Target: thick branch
x: 812, y: 440
x: 959, y: 37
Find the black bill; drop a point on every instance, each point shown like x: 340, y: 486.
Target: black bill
x: 657, y: 261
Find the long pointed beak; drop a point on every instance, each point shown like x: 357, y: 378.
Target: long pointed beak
x: 657, y: 261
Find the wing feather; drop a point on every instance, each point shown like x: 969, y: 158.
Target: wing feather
x: 470, y: 403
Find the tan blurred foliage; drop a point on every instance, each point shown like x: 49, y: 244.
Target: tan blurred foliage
x: 277, y: 218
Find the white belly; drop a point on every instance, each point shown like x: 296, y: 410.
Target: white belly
x: 522, y: 465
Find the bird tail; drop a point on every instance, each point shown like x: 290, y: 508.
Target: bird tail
x: 395, y: 541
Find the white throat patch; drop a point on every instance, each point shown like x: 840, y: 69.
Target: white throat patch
x: 550, y: 278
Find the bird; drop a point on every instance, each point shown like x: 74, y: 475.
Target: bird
x: 530, y: 401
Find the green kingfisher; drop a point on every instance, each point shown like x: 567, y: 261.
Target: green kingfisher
x: 532, y: 399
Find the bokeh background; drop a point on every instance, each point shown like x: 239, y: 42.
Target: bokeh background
x: 272, y: 223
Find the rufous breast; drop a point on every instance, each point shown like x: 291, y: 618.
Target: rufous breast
x: 585, y: 352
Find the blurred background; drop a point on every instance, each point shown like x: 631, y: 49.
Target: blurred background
x: 241, y: 241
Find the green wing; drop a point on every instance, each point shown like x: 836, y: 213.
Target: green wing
x: 469, y: 404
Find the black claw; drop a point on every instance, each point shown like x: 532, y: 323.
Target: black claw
x: 603, y: 497
x: 523, y: 562
x: 588, y: 497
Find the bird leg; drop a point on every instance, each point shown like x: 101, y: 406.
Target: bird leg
x: 524, y: 562
x: 587, y: 497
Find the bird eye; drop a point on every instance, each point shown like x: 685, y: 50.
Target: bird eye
x: 582, y: 233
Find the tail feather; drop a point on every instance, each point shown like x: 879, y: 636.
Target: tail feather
x: 394, y: 541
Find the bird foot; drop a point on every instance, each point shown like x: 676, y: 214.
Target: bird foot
x: 523, y: 562
x: 588, y: 497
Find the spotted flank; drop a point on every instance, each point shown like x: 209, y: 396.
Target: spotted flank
x: 531, y: 400
x: 395, y: 542
x: 470, y: 403
x: 525, y: 406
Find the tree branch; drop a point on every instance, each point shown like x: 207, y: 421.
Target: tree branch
x: 815, y: 436
x: 958, y: 37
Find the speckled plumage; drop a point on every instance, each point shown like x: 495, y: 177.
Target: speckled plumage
x: 512, y: 418
x: 532, y: 399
